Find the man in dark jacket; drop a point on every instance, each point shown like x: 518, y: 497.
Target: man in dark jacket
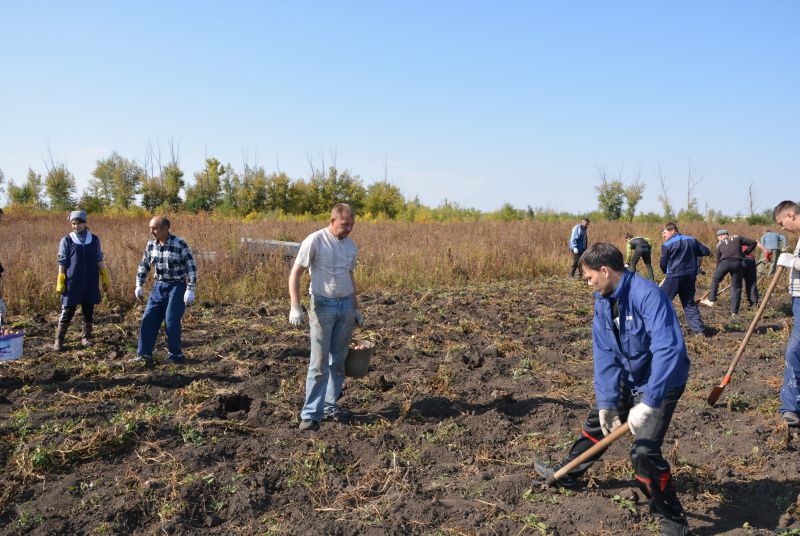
x: 639, y: 247
x: 640, y: 371
x: 679, y: 262
x: 729, y: 256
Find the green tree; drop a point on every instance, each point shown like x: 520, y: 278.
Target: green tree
x: 383, y: 198
x: 278, y: 188
x: 117, y: 180
x: 337, y: 187
x: 29, y: 194
x: 633, y: 194
x: 204, y: 194
x: 610, y: 198
x: 60, y: 187
x: 91, y: 201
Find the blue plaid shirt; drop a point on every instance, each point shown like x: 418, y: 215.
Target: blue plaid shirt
x: 173, y: 262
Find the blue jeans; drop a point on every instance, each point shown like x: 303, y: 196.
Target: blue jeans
x: 164, y: 306
x: 790, y: 394
x: 331, y: 321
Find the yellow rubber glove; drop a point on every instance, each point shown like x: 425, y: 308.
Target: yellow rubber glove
x: 61, y: 283
x: 104, y: 279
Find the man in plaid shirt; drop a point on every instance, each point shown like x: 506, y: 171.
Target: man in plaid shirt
x: 176, y: 277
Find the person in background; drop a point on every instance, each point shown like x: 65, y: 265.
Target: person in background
x: 80, y: 270
x: 330, y: 255
x: 729, y: 255
x: 176, y: 279
x: 578, y: 242
x: 787, y: 215
x: 774, y: 244
x: 680, y: 256
x: 639, y: 247
x: 750, y: 275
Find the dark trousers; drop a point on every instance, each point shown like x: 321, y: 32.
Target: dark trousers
x: 652, y: 471
x: 750, y: 275
x: 684, y: 287
x: 724, y: 267
x: 576, y: 257
x: 643, y: 254
x: 775, y: 254
x: 68, y: 312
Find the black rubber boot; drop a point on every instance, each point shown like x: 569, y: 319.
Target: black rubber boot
x: 86, y: 337
x: 61, y: 332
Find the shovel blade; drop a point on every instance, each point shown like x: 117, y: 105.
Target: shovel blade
x: 716, y: 392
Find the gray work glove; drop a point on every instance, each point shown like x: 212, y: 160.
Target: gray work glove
x: 139, y: 292
x: 359, y: 318
x: 609, y: 420
x: 2, y: 307
x: 188, y: 297
x: 643, y: 420
x: 297, y: 316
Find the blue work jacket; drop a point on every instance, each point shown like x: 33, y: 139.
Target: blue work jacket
x: 650, y: 357
x: 579, y: 238
x: 679, y: 255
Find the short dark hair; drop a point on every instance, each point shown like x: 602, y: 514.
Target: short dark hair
x: 586, y: 220
x: 602, y: 254
x: 628, y: 236
x: 671, y: 227
x: 784, y: 206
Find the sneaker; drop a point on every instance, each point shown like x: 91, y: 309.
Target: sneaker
x: 706, y: 301
x: 790, y: 418
x: 175, y: 360
x: 307, y: 425
x: 546, y: 471
x: 142, y: 360
x: 337, y: 415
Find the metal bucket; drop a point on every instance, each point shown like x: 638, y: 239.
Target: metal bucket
x: 357, y: 363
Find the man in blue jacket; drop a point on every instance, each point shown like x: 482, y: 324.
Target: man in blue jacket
x: 774, y: 244
x: 680, y: 256
x: 640, y: 371
x: 578, y: 241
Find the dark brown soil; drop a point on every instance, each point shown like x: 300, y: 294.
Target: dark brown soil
x: 467, y: 388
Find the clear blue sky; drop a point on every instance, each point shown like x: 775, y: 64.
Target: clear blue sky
x: 477, y: 102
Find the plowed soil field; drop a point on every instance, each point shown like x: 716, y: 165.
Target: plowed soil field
x: 467, y: 387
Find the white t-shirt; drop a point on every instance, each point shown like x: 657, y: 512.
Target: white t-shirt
x: 329, y: 261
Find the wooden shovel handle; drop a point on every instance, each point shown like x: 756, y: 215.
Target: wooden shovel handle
x: 597, y: 447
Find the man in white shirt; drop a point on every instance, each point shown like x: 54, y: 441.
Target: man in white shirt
x: 330, y: 256
x: 787, y: 215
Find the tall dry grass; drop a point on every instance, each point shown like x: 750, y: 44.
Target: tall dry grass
x: 392, y: 255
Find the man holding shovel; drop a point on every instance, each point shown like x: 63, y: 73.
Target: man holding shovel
x: 640, y: 371
x: 330, y: 256
x: 787, y: 215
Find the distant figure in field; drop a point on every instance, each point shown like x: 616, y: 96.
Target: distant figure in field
x: 176, y: 278
x: 750, y: 276
x: 639, y: 247
x: 680, y: 256
x: 729, y: 256
x: 787, y: 215
x: 578, y: 242
x: 2, y: 303
x: 330, y: 256
x: 774, y: 244
x: 80, y: 270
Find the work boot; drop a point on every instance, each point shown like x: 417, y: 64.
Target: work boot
x: 706, y: 301
x: 307, y: 425
x: 790, y: 418
x: 61, y: 332
x: 86, y: 336
x: 674, y: 528
x: 546, y: 471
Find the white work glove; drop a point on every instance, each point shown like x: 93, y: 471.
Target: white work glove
x: 643, y: 419
x: 297, y: 317
x: 188, y: 297
x: 359, y: 318
x: 627, y: 267
x: 787, y: 260
x: 575, y: 250
x: 609, y: 420
x: 139, y: 293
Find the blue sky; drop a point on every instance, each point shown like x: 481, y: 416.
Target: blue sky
x: 476, y: 102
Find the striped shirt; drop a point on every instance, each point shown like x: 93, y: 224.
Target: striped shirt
x: 173, y: 262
